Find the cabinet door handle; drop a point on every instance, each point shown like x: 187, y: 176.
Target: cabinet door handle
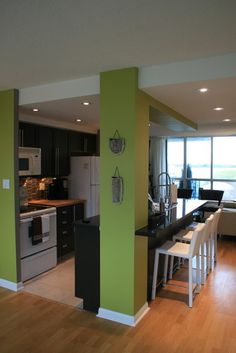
x: 64, y: 232
x: 65, y: 246
x: 64, y: 222
x: 55, y: 160
x: 85, y: 144
x: 58, y: 161
x: 22, y: 137
x: 64, y: 212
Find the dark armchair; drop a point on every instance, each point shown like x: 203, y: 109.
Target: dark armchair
x: 215, y: 195
x: 184, y: 193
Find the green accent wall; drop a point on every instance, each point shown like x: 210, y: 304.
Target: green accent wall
x: 123, y: 283
x: 8, y: 198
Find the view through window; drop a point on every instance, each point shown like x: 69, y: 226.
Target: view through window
x: 203, y: 162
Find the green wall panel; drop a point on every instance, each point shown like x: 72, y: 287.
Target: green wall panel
x: 8, y: 219
x: 121, y: 253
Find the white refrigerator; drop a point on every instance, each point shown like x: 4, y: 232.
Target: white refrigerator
x: 83, y: 182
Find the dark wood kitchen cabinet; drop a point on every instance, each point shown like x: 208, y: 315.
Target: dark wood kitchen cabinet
x: 75, y: 142
x: 57, y: 145
x: 45, y: 142
x: 65, y: 230
x: 82, y: 143
x: 89, y: 143
x: 65, y: 227
x: 54, y: 151
x: 61, y: 152
x: 27, y: 135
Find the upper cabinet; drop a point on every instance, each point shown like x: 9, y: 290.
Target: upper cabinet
x: 57, y: 145
x: 54, y: 151
x: 75, y: 142
x: 89, y: 143
x: 27, y: 135
x: 45, y: 142
x: 82, y: 143
x: 61, y: 152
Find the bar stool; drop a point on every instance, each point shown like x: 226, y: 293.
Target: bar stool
x: 213, y: 244
x: 186, y: 236
x: 183, y: 250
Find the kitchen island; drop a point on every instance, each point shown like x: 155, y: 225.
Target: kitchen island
x: 87, y: 248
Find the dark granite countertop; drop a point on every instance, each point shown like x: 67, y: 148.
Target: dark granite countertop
x: 176, y: 214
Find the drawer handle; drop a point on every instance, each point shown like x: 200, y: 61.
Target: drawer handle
x: 64, y: 232
x: 64, y: 222
x: 65, y: 246
x: 64, y: 212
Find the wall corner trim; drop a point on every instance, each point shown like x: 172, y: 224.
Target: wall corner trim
x: 123, y: 318
x: 11, y: 285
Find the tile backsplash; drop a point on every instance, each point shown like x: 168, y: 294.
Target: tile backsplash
x: 36, y: 188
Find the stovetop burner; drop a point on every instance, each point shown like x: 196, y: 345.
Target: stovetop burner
x: 35, y: 211
x: 30, y: 208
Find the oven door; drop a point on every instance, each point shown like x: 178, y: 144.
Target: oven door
x: 26, y: 246
x: 36, y: 259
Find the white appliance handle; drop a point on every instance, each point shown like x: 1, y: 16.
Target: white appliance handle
x: 26, y: 220
x: 30, y: 219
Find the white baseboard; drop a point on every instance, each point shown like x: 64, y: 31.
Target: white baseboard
x: 11, y: 285
x: 123, y: 318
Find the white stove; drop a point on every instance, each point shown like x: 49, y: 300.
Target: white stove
x: 38, y: 240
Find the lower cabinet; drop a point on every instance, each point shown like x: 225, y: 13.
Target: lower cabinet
x: 66, y: 216
x: 87, y: 263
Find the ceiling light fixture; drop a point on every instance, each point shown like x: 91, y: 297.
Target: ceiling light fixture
x: 227, y: 119
x: 78, y: 120
x: 218, y: 108
x: 85, y: 103
x: 35, y: 110
x: 203, y: 90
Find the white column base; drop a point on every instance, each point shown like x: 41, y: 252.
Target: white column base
x: 123, y: 318
x: 11, y: 285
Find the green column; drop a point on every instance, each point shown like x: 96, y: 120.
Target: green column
x: 8, y: 198
x: 123, y: 283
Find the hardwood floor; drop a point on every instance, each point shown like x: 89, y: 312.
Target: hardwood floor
x: 30, y: 324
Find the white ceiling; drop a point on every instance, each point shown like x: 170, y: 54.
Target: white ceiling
x: 51, y: 41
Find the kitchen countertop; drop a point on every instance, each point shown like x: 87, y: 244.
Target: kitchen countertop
x: 56, y: 203
x: 178, y: 213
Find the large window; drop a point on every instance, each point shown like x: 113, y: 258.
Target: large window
x: 198, y: 152
x: 224, y: 158
x: 203, y: 162
x: 175, y: 157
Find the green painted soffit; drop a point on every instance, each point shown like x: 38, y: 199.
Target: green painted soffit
x: 163, y: 115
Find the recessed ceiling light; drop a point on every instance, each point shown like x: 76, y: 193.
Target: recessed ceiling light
x: 78, y: 120
x: 35, y: 110
x: 86, y: 103
x: 227, y: 119
x: 203, y: 90
x: 218, y: 108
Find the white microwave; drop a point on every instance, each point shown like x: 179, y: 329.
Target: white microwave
x: 29, y: 161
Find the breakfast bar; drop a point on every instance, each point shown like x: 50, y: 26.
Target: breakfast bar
x: 178, y: 216
x: 87, y: 235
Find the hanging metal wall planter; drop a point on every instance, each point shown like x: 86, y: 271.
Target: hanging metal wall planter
x: 116, y: 143
x: 117, y: 187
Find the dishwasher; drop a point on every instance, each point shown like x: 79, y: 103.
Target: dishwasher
x: 41, y: 255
